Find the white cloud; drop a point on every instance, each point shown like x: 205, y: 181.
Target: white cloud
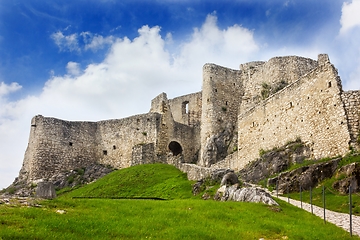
x: 350, y: 17
x: 5, y: 89
x: 73, y: 68
x: 96, y: 42
x: 132, y: 73
x: 66, y: 43
x: 227, y: 47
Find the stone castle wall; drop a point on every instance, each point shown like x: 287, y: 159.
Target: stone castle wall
x: 351, y: 101
x: 278, y: 71
x: 310, y: 108
x: 187, y: 109
x: 117, y: 137
x: 56, y: 145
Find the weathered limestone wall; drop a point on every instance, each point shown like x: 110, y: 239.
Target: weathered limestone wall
x: 117, y: 137
x: 187, y: 109
x: 222, y: 92
x: 351, y: 101
x: 57, y: 145
x: 143, y: 154
x: 310, y: 108
x: 278, y: 69
x: 188, y: 138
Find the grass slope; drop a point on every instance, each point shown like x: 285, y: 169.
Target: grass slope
x: 175, y: 219
x: 142, y: 181
x: 184, y: 217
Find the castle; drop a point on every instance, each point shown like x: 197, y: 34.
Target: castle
x: 237, y: 114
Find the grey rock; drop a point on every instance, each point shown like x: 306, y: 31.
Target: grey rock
x: 45, y: 190
x: 275, y: 161
x: 306, y: 177
x: 216, y: 147
x: 349, y: 175
x: 229, y: 179
x: 247, y: 194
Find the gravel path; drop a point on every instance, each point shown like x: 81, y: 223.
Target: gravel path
x: 340, y: 219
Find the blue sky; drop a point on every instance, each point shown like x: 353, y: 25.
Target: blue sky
x: 100, y: 59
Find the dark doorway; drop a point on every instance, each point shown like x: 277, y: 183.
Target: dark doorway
x: 175, y: 148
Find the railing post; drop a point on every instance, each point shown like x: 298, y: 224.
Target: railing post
x: 288, y: 193
x: 312, y: 212
x: 350, y: 210
x: 300, y: 197
x: 323, y: 190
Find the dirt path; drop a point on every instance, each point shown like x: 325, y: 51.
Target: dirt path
x: 340, y: 219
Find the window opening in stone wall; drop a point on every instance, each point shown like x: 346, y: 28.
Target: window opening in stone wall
x: 114, y: 147
x: 291, y: 104
x: 104, y: 152
x: 137, y: 120
x: 329, y: 84
x: 215, y: 90
x: 185, y: 107
x: 226, y: 103
x: 70, y: 144
x: 175, y: 148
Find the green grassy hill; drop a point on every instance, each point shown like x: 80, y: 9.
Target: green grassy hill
x: 142, y: 181
x: 183, y: 217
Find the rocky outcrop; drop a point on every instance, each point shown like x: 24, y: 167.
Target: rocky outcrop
x: 76, y: 177
x: 215, y: 177
x: 348, y: 175
x: 217, y: 146
x: 247, y: 194
x: 229, y: 179
x: 306, y: 177
x: 275, y: 161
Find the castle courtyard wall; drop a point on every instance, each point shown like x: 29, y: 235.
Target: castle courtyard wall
x: 310, y: 108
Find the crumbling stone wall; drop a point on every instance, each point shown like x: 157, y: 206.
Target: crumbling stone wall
x: 117, y: 137
x: 143, y: 154
x: 259, y: 77
x: 310, y: 108
x: 57, y: 145
x: 187, y: 109
x: 351, y: 101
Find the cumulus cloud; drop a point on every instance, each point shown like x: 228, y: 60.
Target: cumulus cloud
x: 350, y: 16
x: 132, y: 73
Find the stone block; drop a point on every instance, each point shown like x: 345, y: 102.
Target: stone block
x: 45, y: 190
